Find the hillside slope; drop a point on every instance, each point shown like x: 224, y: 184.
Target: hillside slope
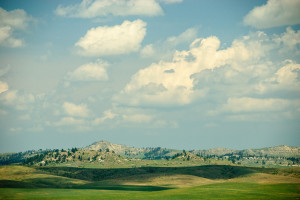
x: 131, y: 152
x: 117, y: 148
x: 278, y: 151
x: 270, y: 156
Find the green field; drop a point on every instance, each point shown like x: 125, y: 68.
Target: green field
x: 151, y: 182
x: 212, y: 191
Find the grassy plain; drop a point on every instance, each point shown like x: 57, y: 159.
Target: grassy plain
x: 149, y: 181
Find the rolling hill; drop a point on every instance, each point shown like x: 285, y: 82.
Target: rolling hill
x: 104, y: 150
x: 115, y: 171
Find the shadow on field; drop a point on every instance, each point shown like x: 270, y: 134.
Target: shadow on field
x: 14, y: 184
x: 207, y: 171
x: 47, y: 183
x: 126, y: 187
x: 212, y: 172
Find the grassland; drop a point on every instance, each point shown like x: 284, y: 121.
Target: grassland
x: 212, y: 191
x: 151, y: 181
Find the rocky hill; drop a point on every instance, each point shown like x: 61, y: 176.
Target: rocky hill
x: 103, y: 150
x: 278, y: 151
x: 131, y: 152
x: 75, y: 157
x: 117, y: 148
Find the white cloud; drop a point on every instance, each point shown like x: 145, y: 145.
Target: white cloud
x: 285, y: 79
x: 170, y: 1
x: 11, y: 21
x: 258, y: 109
x: 165, y: 49
x: 3, y: 87
x: 6, y: 38
x: 246, y: 104
x: 148, y: 51
x: 249, y: 80
x: 17, y: 19
x: 187, y: 36
x: 90, y: 72
x: 10, y: 96
x: 101, y: 8
x: 253, y: 117
x: 118, y: 39
x: 76, y: 110
x: 289, y: 75
x: 290, y: 38
x: 152, y: 86
x: 274, y: 13
x: 19, y: 101
x: 132, y: 117
x: 108, y: 114
x: 172, y: 83
x: 71, y: 124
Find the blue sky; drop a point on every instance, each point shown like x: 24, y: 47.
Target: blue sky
x: 173, y: 73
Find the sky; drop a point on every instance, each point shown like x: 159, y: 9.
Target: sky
x: 180, y: 74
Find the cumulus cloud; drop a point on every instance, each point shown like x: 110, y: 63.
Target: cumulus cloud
x: 246, y: 104
x: 71, y: 123
x: 165, y: 49
x: 108, y: 114
x: 273, y: 14
x: 76, y: 110
x: 16, y: 99
x: 250, y: 77
x: 3, y: 87
x: 172, y: 83
x: 288, y: 75
x: 90, y: 72
x: 79, y: 120
x: 10, y: 22
x: 290, y: 39
x: 6, y: 38
x: 187, y: 36
x: 9, y: 97
x: 124, y: 116
x: 148, y: 51
x: 258, y: 109
x: 101, y: 8
x: 118, y: 39
x: 286, y: 79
